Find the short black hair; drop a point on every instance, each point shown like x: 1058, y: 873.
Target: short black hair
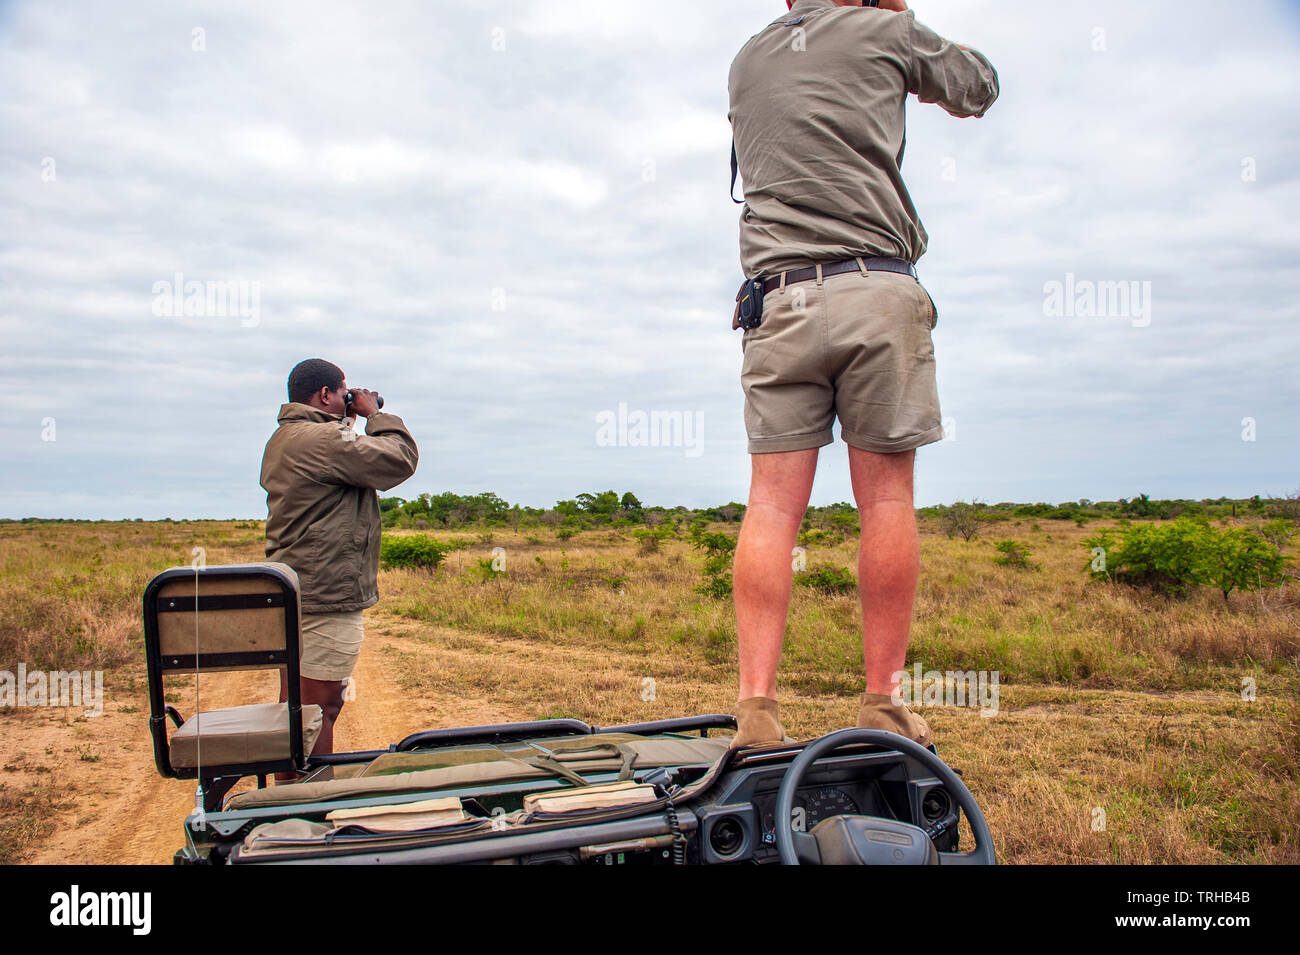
x: 310, y: 376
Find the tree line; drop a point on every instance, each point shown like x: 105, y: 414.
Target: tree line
x: 609, y: 508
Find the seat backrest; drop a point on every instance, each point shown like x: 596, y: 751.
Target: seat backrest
x: 222, y: 617
x: 247, y: 618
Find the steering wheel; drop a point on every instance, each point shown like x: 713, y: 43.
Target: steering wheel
x: 872, y: 840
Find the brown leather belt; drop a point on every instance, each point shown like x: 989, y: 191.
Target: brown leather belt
x: 873, y: 264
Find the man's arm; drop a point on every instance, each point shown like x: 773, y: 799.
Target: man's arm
x: 959, y: 79
x: 382, y: 458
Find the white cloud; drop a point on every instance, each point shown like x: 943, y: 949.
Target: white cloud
x: 384, y: 173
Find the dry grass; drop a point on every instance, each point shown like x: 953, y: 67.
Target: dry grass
x: 1111, y: 699
x: 71, y: 592
x: 31, y: 799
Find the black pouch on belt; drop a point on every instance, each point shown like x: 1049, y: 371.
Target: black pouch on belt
x: 751, y: 303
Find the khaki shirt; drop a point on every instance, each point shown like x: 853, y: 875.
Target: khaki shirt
x: 323, y: 512
x: 818, y: 105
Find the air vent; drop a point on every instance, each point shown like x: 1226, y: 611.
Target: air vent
x: 936, y: 804
x: 728, y: 836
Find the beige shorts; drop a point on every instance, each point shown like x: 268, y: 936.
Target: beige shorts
x: 857, y: 348
x: 331, y: 644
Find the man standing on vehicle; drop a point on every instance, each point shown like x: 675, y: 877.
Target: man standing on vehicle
x: 321, y: 479
x: 837, y: 324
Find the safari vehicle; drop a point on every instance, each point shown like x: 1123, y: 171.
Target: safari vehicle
x: 552, y: 791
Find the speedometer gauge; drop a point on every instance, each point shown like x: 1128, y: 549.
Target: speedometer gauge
x: 811, y: 806
x: 819, y: 804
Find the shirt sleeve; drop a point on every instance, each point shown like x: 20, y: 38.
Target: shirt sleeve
x: 382, y: 458
x: 963, y: 82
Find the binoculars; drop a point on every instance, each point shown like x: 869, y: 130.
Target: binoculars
x: 379, y: 400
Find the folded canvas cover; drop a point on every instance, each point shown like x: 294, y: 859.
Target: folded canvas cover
x: 605, y: 796
x: 404, y: 817
x: 493, y: 766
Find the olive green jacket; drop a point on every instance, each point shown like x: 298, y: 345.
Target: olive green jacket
x: 323, y: 509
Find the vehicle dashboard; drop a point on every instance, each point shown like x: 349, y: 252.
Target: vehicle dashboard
x: 731, y: 821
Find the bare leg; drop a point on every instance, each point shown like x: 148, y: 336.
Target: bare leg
x: 889, y: 559
x: 778, y: 499
x: 328, y: 695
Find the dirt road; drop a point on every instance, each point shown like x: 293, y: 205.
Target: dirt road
x: 122, y: 811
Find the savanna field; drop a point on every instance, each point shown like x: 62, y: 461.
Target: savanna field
x: 1133, y: 726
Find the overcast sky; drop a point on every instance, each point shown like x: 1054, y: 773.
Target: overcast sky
x: 512, y: 217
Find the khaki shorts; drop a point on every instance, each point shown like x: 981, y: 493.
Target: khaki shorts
x: 856, y: 347
x: 331, y: 644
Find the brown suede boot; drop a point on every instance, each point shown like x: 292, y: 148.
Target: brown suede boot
x: 756, y: 723
x: 879, y: 712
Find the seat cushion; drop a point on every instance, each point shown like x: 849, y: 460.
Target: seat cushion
x: 256, y: 733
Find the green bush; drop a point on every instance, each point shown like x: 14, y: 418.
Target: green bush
x: 817, y: 536
x: 1239, y: 559
x: 1177, y: 557
x: 828, y: 579
x: 1278, y: 532
x: 961, y: 520
x: 717, y: 587
x: 651, y: 537
x: 718, y: 549
x: 846, y: 524
x: 411, y: 550
x: 1164, y: 557
x: 486, y: 569
x: 1012, y: 554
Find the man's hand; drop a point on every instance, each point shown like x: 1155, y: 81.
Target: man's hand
x: 363, y: 403
x: 898, y: 6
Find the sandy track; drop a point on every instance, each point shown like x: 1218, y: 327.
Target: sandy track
x: 123, y: 812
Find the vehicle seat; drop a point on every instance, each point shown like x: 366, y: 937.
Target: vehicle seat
x: 227, y: 617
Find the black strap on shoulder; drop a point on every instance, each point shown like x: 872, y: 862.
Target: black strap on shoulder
x: 735, y: 169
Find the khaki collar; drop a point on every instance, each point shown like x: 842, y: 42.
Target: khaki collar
x: 807, y: 6
x: 296, y: 411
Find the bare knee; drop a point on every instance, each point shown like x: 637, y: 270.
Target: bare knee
x: 779, y: 486
x: 881, y: 480
x: 327, y: 694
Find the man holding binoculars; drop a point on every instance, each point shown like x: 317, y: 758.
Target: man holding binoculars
x: 321, y: 479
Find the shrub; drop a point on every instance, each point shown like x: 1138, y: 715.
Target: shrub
x: 1167, y: 558
x: 487, y: 569
x: 650, y: 538
x: 1239, y: 559
x: 718, y: 549
x: 828, y: 579
x: 961, y: 519
x: 1278, y: 532
x: 1286, y: 507
x: 1175, y: 558
x: 819, y: 536
x: 1012, y: 554
x: 411, y: 550
x: 846, y: 524
x: 717, y: 587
